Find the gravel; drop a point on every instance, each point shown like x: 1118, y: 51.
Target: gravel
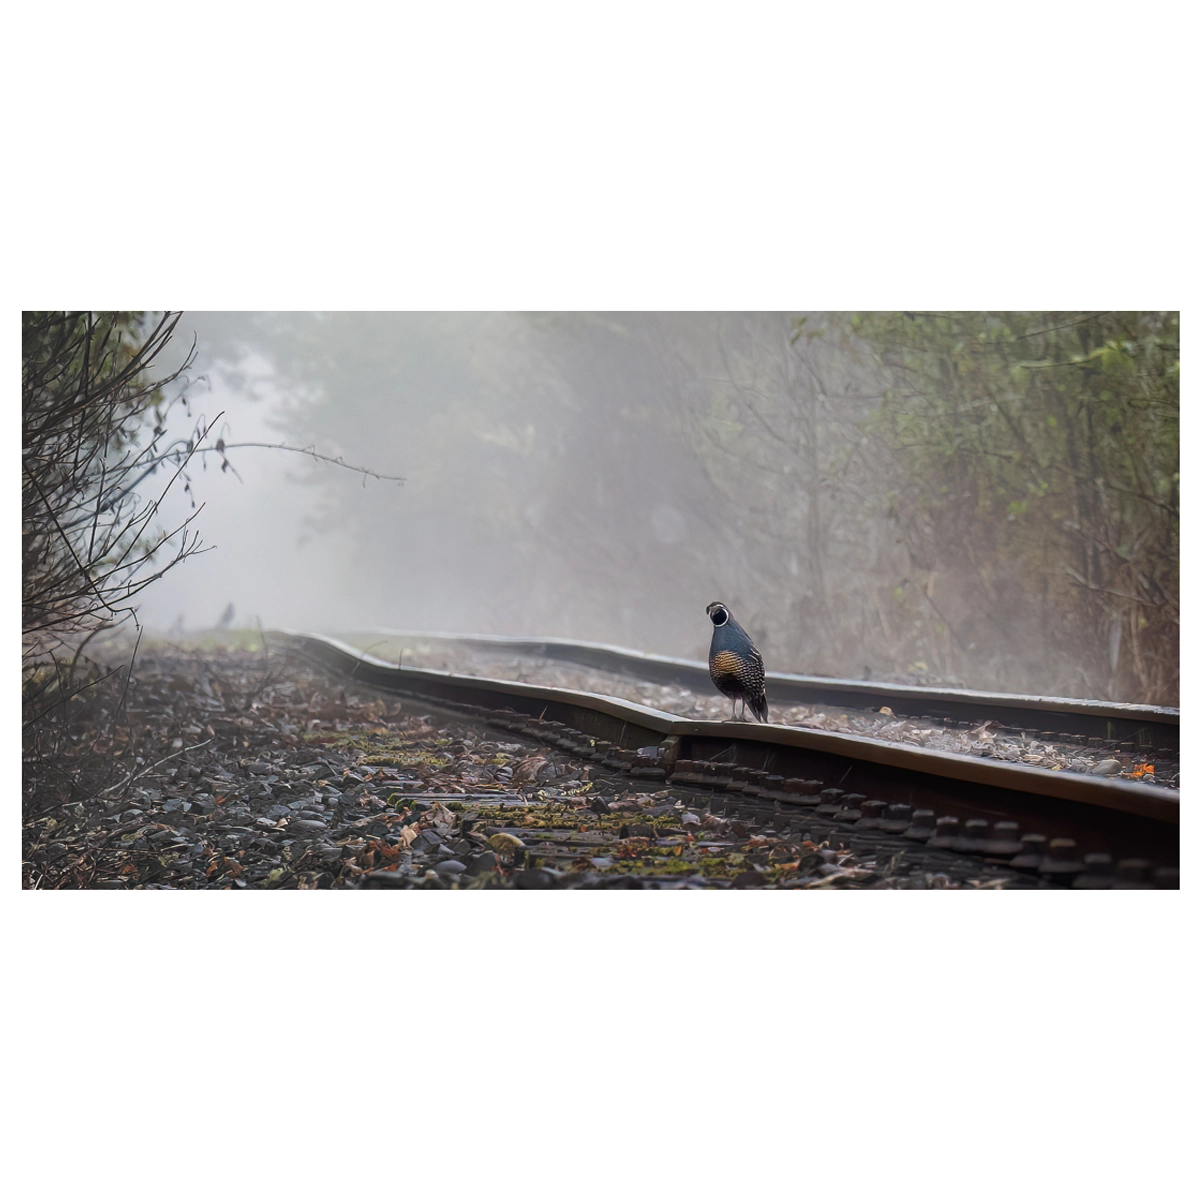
x: 423, y: 800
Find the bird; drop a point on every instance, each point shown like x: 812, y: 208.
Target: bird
x: 735, y: 664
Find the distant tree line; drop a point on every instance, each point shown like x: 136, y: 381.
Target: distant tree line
x: 982, y: 498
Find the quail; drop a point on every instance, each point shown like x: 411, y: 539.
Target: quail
x: 735, y: 664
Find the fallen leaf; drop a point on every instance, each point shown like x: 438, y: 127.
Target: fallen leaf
x: 526, y: 771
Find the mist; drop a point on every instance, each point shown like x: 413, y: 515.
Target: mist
x: 872, y: 495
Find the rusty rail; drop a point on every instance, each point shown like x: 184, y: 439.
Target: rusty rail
x: 1144, y: 726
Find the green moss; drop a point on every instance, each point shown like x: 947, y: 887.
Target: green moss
x: 380, y: 750
x: 414, y: 758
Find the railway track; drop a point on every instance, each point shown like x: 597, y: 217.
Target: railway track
x: 1066, y: 828
x: 1134, y: 727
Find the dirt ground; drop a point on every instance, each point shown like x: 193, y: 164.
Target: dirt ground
x: 228, y: 766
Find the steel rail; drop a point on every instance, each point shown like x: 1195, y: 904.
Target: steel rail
x: 1146, y: 726
x: 779, y: 762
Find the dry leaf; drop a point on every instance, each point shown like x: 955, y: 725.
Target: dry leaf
x: 526, y: 771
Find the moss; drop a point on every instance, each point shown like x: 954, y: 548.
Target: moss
x: 660, y: 866
x: 718, y: 866
x: 381, y: 750
x: 641, y: 857
x: 410, y: 759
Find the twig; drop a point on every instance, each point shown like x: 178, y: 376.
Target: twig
x: 306, y: 450
x: 153, y: 766
x: 83, y: 687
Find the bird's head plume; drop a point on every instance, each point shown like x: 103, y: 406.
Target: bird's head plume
x: 717, y: 613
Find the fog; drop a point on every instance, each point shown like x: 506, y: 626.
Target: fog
x: 605, y: 476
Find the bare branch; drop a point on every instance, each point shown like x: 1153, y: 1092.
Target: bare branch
x: 309, y: 451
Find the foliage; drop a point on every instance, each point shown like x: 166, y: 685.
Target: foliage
x: 1032, y: 462
x: 88, y: 546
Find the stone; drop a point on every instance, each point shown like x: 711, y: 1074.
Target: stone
x: 748, y: 878
x: 537, y: 878
x: 481, y: 863
x: 386, y: 879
